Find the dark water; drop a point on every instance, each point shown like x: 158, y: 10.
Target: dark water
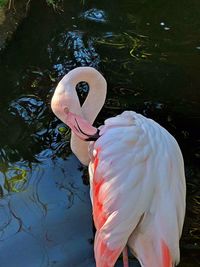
x: 149, y: 52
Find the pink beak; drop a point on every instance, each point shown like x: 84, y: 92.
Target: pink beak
x: 81, y: 127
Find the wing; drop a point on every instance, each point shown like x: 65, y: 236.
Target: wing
x: 124, y: 180
x: 117, y: 174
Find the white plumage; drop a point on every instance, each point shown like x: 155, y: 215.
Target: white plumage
x: 143, y: 192
x: 136, y: 176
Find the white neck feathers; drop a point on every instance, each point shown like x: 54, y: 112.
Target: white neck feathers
x: 66, y: 96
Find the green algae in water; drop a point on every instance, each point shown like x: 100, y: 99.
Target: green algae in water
x: 15, y: 179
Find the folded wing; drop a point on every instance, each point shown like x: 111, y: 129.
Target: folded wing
x: 135, y: 163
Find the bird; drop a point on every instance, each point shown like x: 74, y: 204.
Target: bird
x: 137, y: 177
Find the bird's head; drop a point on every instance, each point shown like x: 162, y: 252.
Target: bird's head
x: 80, y: 126
x: 66, y: 106
x: 63, y: 106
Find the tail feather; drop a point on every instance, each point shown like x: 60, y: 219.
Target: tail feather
x: 150, y: 250
x: 105, y: 256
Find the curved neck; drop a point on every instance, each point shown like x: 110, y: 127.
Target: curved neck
x: 97, y: 91
x: 66, y: 96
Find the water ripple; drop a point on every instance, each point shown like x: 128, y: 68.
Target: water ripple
x: 94, y: 14
x: 72, y: 49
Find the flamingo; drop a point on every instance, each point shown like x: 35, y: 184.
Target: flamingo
x: 137, y: 180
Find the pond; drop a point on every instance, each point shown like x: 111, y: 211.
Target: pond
x: 149, y: 52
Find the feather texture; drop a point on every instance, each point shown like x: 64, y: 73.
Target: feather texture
x: 137, y: 190
x: 136, y: 175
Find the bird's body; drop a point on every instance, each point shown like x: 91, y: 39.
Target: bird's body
x: 137, y: 186
x: 137, y: 189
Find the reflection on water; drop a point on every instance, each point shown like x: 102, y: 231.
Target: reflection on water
x: 37, y: 223
x: 71, y: 49
x: 94, y: 14
x: 149, y: 54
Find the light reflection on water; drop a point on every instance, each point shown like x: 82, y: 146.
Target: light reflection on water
x: 51, y: 216
x: 151, y: 62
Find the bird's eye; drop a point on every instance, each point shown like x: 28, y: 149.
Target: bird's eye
x: 66, y: 110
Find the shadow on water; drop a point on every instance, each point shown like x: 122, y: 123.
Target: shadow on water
x: 149, y: 54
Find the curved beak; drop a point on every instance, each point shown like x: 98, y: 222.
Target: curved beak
x: 81, y: 127
x: 93, y: 137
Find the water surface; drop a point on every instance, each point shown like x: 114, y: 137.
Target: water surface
x: 149, y: 53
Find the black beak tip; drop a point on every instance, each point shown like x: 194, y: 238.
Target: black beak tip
x: 93, y: 137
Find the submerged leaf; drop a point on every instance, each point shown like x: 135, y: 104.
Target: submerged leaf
x: 16, y: 182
